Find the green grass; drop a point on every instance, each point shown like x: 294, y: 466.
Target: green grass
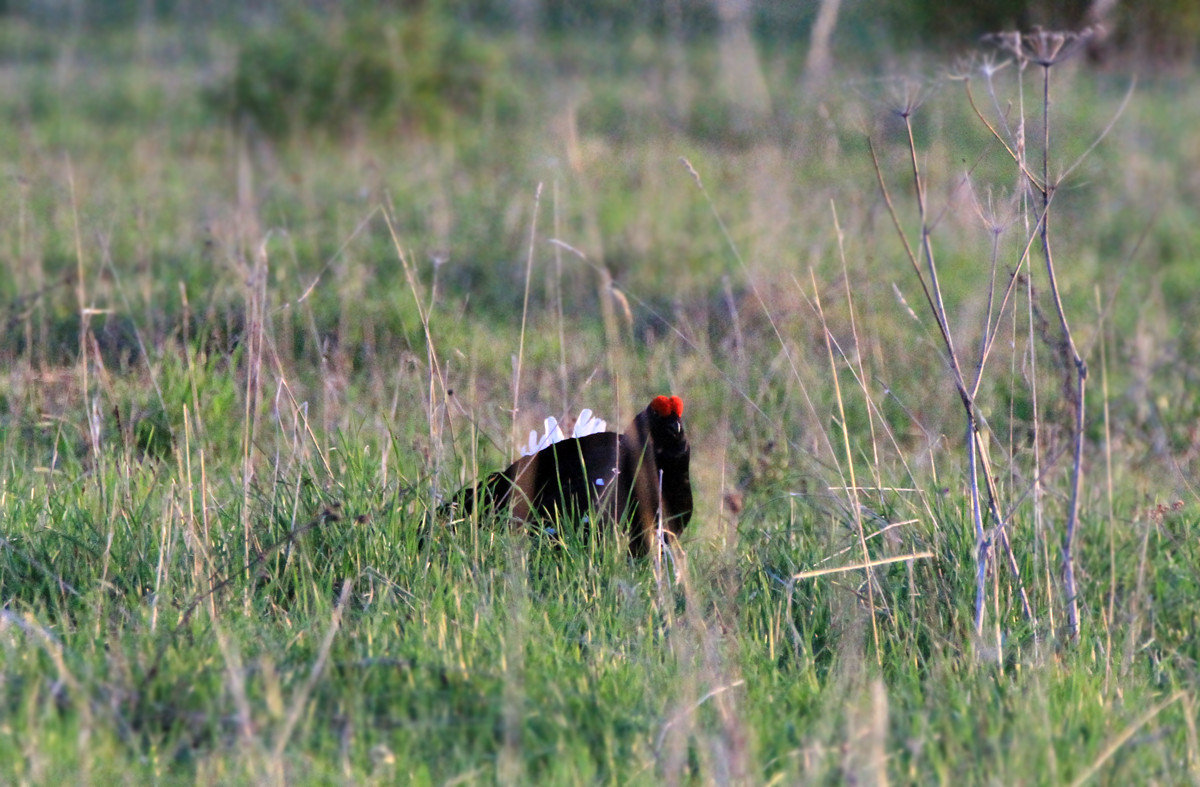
x: 198, y: 589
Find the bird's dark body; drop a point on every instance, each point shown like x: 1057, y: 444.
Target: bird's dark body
x: 609, y: 477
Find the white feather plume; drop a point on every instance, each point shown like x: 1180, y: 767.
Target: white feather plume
x: 585, y: 424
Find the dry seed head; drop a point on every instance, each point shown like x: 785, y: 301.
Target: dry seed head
x: 966, y: 68
x: 906, y: 95
x: 989, y: 65
x: 1044, y: 47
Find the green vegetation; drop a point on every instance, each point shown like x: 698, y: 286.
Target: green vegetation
x: 263, y: 296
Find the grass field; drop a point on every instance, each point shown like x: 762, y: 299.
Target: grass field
x: 242, y: 368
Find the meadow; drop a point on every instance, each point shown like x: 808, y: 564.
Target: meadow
x: 247, y: 353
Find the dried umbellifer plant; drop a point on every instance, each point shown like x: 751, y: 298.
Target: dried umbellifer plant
x: 1045, y: 50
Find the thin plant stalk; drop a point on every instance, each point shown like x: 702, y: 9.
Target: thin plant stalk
x: 932, y: 292
x: 858, y: 355
x: 1070, y: 589
x: 564, y: 377
x: 516, y: 406
x: 436, y: 376
x: 1108, y: 476
x: 1047, y: 49
x: 853, y: 485
x: 255, y: 316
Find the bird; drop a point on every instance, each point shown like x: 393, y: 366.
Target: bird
x: 631, y: 479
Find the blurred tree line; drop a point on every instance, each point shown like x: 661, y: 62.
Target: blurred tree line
x: 434, y: 66
x: 1154, y: 30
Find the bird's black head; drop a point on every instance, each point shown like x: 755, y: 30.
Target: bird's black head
x: 665, y: 414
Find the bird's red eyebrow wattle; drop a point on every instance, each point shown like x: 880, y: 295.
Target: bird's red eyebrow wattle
x: 665, y: 406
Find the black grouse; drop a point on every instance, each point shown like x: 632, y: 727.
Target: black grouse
x: 628, y: 478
